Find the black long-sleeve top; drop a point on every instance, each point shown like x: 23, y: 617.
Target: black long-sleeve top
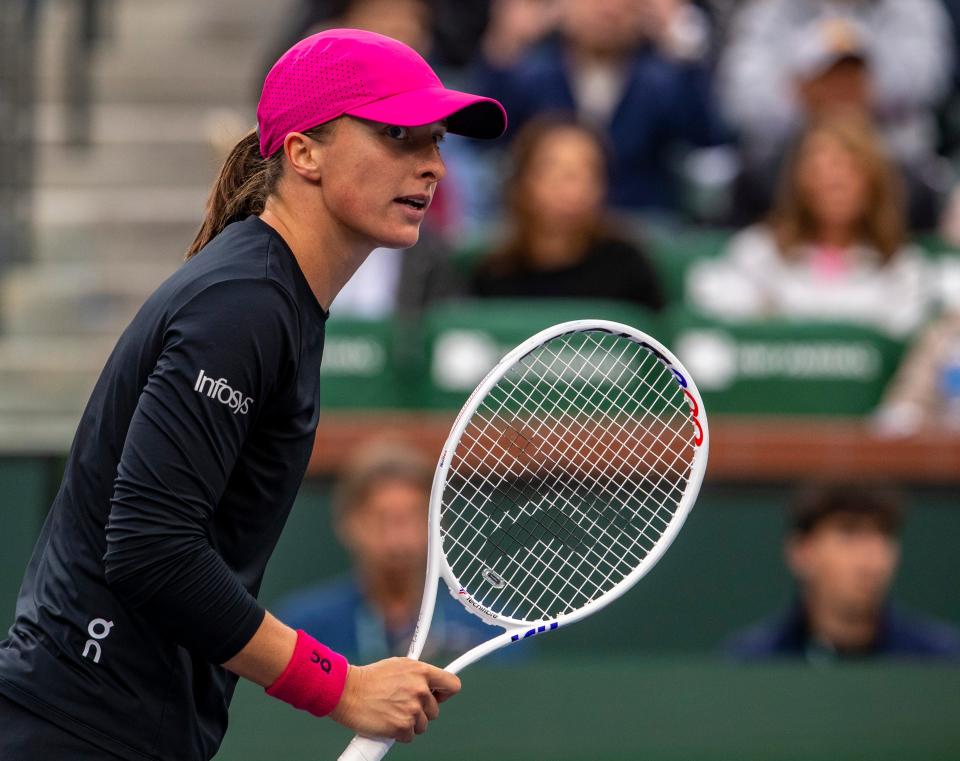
x: 184, y: 468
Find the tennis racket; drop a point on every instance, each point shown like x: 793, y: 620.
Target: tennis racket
x: 565, y: 477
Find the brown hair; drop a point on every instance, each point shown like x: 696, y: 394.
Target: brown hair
x: 511, y: 254
x: 882, y: 224
x: 375, y: 463
x: 243, y: 185
x: 818, y: 501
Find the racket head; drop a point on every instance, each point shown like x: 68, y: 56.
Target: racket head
x: 502, y: 470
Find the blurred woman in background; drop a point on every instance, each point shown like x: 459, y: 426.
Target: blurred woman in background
x: 560, y: 241
x: 834, y: 247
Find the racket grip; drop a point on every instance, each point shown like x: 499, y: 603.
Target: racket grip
x: 365, y: 749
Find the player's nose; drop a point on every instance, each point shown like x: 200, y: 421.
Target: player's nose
x: 432, y: 167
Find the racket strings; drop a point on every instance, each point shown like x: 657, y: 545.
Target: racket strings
x: 630, y: 435
x: 649, y: 520
x: 538, y: 464
x: 592, y: 447
x: 617, y: 424
x: 569, y: 579
x: 607, y: 578
x: 535, y: 477
x: 641, y: 402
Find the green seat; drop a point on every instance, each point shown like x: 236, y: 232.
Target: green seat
x: 934, y: 245
x: 463, y: 340
x: 359, y: 368
x: 784, y: 367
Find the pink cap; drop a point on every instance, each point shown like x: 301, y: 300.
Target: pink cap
x: 367, y: 75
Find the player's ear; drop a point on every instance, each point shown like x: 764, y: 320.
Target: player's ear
x: 304, y: 154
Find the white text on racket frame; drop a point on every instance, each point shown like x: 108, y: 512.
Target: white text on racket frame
x: 219, y: 390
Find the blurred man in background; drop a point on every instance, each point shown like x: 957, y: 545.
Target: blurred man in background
x: 843, y: 548
x: 634, y: 69
x: 453, y: 27
x: 380, y: 516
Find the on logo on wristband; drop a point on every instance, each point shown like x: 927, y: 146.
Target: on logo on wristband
x: 302, y: 687
x: 324, y: 663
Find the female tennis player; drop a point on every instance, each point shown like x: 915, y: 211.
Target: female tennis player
x: 138, y: 609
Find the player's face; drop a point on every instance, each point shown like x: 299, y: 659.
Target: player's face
x: 378, y: 180
x: 388, y: 532
x: 833, y: 182
x: 847, y: 563
x: 565, y: 182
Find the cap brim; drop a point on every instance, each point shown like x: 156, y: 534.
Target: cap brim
x: 469, y: 115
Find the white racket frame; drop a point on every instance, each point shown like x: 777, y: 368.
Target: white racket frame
x: 372, y: 749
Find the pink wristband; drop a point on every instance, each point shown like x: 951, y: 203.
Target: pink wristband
x: 313, y: 680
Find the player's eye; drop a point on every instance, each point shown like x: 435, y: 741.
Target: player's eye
x: 397, y: 133
x: 439, y: 137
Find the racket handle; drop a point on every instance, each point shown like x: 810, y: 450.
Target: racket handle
x: 365, y: 749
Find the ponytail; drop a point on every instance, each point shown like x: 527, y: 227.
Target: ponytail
x: 245, y: 182
x: 241, y: 188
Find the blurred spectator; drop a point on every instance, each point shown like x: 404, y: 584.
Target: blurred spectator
x: 633, y: 68
x: 843, y: 549
x: 380, y: 516
x: 834, y: 247
x: 925, y: 392
x: 560, y: 242
x: 445, y: 31
x: 791, y: 60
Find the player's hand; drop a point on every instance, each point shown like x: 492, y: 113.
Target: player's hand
x: 395, y: 698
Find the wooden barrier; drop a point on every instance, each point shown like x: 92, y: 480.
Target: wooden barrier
x: 741, y: 449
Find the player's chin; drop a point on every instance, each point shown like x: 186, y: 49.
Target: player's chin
x: 400, y: 236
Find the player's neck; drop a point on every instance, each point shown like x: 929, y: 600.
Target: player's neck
x: 327, y: 254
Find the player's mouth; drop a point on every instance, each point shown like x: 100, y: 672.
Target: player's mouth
x: 419, y: 202
x: 414, y: 207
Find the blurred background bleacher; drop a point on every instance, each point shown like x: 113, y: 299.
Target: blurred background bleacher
x: 114, y: 117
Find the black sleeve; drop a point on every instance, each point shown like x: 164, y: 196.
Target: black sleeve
x: 225, y: 353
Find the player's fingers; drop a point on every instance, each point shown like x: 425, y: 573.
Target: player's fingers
x: 441, y: 681
x: 430, y: 707
x: 420, y: 725
x: 440, y: 695
x: 405, y: 735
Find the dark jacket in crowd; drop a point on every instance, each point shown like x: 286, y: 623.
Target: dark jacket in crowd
x: 665, y: 103
x: 900, y: 636
x: 612, y: 269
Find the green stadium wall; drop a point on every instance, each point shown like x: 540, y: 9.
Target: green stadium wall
x: 723, y: 572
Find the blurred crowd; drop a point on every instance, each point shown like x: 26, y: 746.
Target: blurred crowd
x: 824, y: 134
